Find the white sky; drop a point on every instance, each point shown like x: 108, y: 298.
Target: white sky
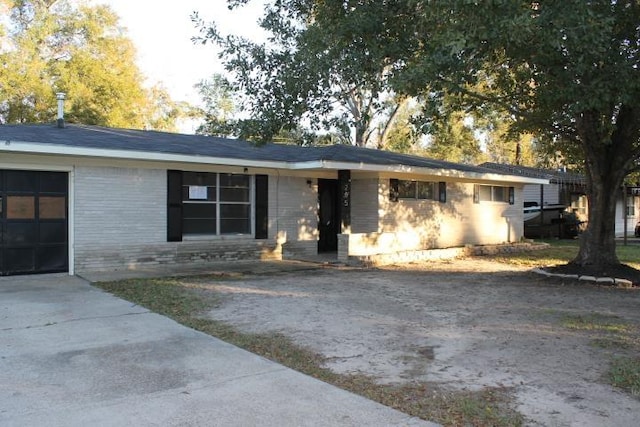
x: 162, y: 30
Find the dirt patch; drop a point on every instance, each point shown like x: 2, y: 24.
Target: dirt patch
x: 620, y: 271
x: 465, y: 324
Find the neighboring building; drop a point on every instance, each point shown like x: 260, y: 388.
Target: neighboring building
x: 83, y: 198
x: 567, y: 191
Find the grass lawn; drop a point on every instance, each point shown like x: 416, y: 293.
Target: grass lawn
x: 563, y: 251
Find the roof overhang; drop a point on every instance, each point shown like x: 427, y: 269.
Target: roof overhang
x: 404, y: 169
x: 23, y: 147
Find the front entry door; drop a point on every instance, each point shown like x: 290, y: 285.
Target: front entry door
x: 328, y: 215
x: 33, y: 222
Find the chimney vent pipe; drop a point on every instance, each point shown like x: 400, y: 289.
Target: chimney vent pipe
x: 60, y: 97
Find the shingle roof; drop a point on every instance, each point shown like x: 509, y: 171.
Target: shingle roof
x: 95, y: 137
x: 554, y: 176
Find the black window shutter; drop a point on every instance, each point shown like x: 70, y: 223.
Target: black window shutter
x: 512, y: 195
x: 442, y: 192
x: 476, y: 193
x: 262, y: 206
x: 174, y: 206
x: 393, y: 190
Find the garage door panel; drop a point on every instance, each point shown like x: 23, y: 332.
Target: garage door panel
x: 19, y: 181
x: 21, y: 233
x: 51, y: 258
x: 53, y: 233
x: 19, y: 260
x: 53, y: 182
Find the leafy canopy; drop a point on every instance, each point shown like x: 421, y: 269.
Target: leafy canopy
x: 51, y: 46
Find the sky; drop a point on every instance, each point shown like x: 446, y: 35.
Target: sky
x: 162, y: 30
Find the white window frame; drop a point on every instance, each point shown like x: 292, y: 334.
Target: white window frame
x: 217, y: 202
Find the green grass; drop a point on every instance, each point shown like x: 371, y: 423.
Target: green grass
x: 596, y: 322
x: 625, y: 374
x: 185, y: 302
x: 563, y: 251
x: 612, y: 333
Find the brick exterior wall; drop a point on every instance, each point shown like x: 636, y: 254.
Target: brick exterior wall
x: 120, y: 223
x: 293, y: 215
x: 417, y: 225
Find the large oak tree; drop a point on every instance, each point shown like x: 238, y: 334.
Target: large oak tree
x: 566, y: 70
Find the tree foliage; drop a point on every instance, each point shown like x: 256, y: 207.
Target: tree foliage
x: 51, y: 46
x: 323, y: 66
x: 218, y: 112
x: 568, y: 71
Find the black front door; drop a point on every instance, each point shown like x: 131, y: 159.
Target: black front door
x: 33, y: 222
x: 328, y: 215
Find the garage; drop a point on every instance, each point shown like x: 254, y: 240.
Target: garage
x: 33, y: 222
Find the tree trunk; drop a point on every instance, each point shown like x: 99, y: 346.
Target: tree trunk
x: 597, y: 243
x: 360, y: 131
x: 607, y: 162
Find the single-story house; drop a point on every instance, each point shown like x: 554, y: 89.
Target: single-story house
x: 566, y: 190
x: 78, y: 198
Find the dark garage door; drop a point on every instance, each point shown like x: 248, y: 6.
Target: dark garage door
x: 33, y: 222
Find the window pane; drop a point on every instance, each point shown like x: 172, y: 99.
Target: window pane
x: 199, y: 178
x: 21, y: 207
x: 425, y: 190
x: 235, y: 226
x: 499, y: 194
x: 234, y: 194
x: 233, y: 180
x: 52, y: 207
x: 234, y: 211
x: 406, y: 189
x: 198, y: 226
x: 484, y: 193
x: 199, y: 210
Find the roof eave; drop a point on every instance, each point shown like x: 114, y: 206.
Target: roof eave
x: 403, y: 169
x: 53, y: 149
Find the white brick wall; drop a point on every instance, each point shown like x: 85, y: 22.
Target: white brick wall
x: 364, y: 205
x: 293, y: 211
x: 424, y: 224
x: 119, y: 207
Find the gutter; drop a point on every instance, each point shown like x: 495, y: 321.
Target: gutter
x: 53, y: 149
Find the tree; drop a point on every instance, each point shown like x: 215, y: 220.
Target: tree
x: 323, y: 65
x: 568, y: 71
x: 50, y: 46
x: 219, y: 107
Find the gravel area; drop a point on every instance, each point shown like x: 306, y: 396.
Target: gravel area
x: 464, y: 324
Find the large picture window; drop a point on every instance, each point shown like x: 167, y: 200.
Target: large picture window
x: 216, y: 204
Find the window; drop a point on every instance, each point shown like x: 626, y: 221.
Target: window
x: 216, y: 204
x: 493, y: 193
x: 631, y: 207
x: 422, y: 190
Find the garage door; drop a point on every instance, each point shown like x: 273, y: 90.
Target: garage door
x: 33, y: 222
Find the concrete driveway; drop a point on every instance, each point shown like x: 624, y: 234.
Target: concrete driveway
x: 71, y: 355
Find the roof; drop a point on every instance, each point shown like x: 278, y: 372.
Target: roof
x: 95, y: 141
x: 554, y: 176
